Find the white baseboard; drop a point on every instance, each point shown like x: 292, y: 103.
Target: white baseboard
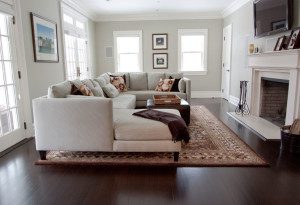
x: 234, y: 100
x: 206, y: 94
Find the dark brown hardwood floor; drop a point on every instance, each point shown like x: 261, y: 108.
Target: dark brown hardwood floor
x: 22, y: 182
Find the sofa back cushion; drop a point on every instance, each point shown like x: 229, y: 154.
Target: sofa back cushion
x: 153, y: 79
x: 138, y: 81
x: 60, y: 90
x: 174, y: 75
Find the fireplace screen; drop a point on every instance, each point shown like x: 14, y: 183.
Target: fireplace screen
x: 274, y: 97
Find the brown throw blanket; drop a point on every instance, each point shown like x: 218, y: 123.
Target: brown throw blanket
x: 175, y: 123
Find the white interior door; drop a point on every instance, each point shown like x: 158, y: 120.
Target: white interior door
x: 226, y: 61
x: 76, y: 57
x: 11, y: 112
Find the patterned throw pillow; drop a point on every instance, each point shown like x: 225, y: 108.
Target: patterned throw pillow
x: 119, y: 82
x: 165, y: 85
x: 82, y: 90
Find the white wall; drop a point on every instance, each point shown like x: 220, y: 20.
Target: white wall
x: 92, y: 47
x: 209, y: 82
x: 42, y: 75
x: 243, y: 34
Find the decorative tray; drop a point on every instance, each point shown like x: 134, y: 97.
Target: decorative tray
x: 166, y: 99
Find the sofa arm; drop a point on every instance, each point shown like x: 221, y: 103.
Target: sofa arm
x: 187, y: 89
x: 73, y: 124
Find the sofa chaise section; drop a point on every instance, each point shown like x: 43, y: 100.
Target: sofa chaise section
x: 91, y: 124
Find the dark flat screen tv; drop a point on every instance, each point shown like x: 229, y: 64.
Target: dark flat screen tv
x: 272, y: 16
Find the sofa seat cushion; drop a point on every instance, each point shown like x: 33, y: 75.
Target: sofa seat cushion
x: 143, y: 95
x: 124, y: 101
x: 133, y: 128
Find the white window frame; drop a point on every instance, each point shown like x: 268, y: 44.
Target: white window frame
x: 136, y: 33
x: 182, y: 32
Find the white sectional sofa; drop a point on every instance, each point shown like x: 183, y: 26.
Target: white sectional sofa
x: 66, y: 122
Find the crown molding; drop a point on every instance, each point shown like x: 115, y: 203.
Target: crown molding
x: 160, y: 16
x: 234, y: 6
x: 81, y: 8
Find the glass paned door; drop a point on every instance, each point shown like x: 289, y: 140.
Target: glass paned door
x: 76, y: 58
x: 10, y: 109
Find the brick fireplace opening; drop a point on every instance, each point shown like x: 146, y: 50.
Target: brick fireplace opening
x: 274, y: 97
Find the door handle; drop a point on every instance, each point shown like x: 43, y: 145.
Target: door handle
x: 228, y: 70
x: 78, y: 71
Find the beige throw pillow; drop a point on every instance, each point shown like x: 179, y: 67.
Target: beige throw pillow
x: 110, y: 90
x: 165, y: 85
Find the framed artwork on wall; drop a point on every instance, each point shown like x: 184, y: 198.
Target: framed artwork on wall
x: 44, y: 36
x: 160, y: 41
x: 160, y: 60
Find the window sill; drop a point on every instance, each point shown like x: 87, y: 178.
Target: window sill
x: 189, y: 73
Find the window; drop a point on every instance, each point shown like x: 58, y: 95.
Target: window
x: 79, y: 24
x: 75, y: 44
x: 68, y: 19
x: 128, y: 51
x: 192, y: 51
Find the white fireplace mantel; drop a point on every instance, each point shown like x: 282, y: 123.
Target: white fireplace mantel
x: 279, y: 65
x: 288, y: 59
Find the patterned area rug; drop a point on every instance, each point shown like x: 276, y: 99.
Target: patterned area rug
x: 212, y: 144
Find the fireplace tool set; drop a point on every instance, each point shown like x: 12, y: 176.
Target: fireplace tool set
x: 243, y: 108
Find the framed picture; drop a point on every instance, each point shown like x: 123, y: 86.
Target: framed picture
x: 160, y: 60
x: 294, y: 40
x: 278, y: 24
x: 160, y: 41
x: 280, y: 43
x: 44, y: 36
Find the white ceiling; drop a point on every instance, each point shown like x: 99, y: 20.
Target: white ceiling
x: 112, y: 8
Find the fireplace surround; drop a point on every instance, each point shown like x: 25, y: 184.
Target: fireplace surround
x: 282, y: 66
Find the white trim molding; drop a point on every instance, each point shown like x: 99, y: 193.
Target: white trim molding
x: 159, y: 16
x: 234, y: 6
x: 234, y: 100
x: 206, y: 94
x: 81, y: 8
